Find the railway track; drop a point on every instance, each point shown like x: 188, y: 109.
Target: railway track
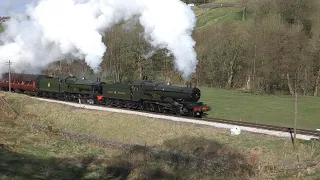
x: 250, y: 124
x: 217, y: 120
x: 232, y: 122
x: 266, y: 127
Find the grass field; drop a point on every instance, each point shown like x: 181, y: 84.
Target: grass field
x: 267, y: 109
x: 207, y: 17
x: 211, y: 14
x: 237, y: 156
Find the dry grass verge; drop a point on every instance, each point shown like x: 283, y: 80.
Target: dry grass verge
x: 232, y: 157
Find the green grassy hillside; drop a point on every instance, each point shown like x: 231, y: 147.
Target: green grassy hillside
x: 217, y: 12
x: 267, y: 109
x: 207, y: 17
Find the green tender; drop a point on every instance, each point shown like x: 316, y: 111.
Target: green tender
x: 49, y: 84
x: 117, y: 91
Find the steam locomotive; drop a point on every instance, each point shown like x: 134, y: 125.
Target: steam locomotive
x: 138, y: 94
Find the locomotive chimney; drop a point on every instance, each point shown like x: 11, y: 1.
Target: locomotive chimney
x: 194, y: 80
x: 189, y: 84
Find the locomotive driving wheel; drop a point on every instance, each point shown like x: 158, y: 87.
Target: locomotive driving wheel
x: 160, y: 109
x: 151, y: 107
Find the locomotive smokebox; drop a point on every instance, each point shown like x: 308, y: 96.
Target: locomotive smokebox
x: 195, y: 95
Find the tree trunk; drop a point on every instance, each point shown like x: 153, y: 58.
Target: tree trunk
x: 140, y: 67
x: 117, y: 66
x: 244, y: 12
x: 305, y: 88
x: 267, y: 87
x: 316, y: 84
x: 60, y: 67
x: 254, y: 68
x: 289, y: 84
x: 248, y: 84
x: 231, y: 72
x: 139, y: 60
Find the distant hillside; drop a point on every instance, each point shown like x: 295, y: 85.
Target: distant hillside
x: 207, y: 14
x: 2, y: 20
x: 207, y: 17
x: 1, y: 28
x: 221, y: 11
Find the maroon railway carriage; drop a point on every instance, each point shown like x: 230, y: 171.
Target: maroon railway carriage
x: 22, y: 82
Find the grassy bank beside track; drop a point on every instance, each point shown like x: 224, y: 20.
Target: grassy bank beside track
x: 264, y: 156
x: 266, y: 109
x: 26, y: 153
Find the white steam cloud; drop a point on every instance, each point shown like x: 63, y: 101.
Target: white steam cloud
x: 57, y: 29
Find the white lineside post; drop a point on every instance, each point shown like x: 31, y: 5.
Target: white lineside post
x: 9, y: 64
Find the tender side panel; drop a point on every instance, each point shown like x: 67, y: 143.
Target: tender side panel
x: 49, y: 84
x: 117, y: 91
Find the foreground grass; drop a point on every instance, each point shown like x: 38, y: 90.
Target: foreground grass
x: 30, y: 154
x: 27, y: 153
x: 266, y: 109
x: 251, y: 154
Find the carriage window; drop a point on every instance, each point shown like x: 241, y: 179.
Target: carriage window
x: 27, y: 82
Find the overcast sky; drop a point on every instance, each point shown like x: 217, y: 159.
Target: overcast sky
x: 7, y: 6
